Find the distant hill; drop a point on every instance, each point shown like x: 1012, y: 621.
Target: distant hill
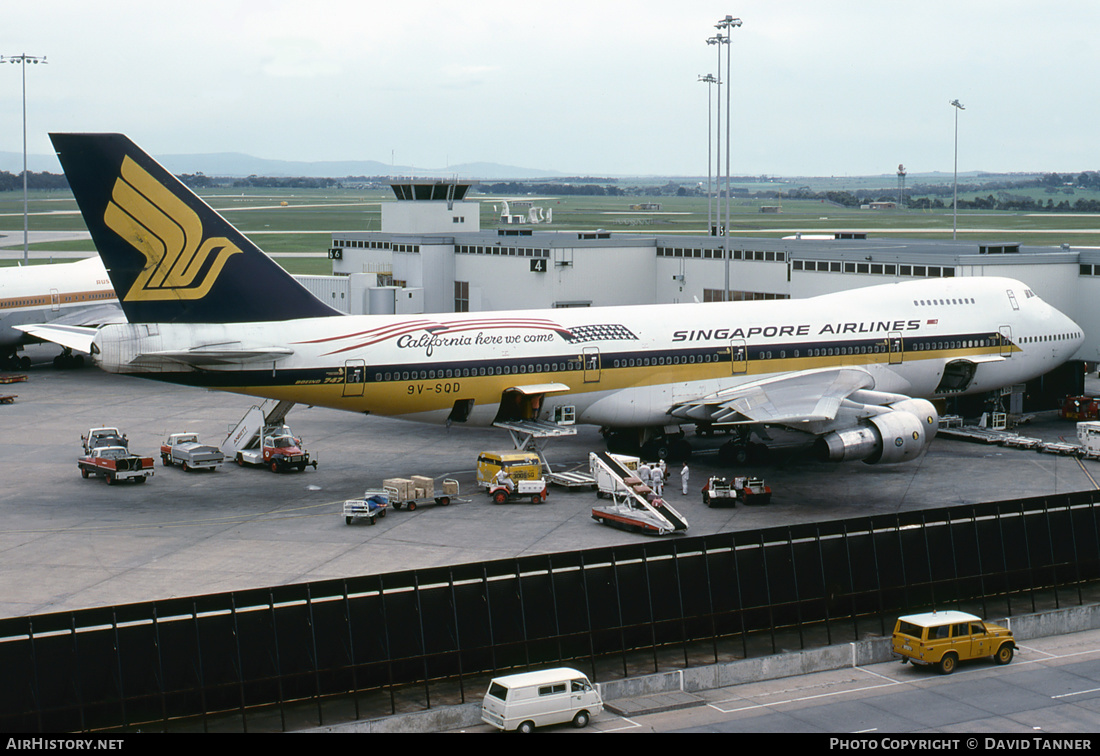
x: 238, y: 164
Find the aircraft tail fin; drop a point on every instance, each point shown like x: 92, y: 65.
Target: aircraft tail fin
x: 170, y: 256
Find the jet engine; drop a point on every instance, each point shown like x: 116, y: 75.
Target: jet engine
x: 898, y: 434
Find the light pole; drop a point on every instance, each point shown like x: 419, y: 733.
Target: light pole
x: 23, y: 60
x: 727, y: 23
x: 955, y: 194
x: 718, y: 40
x: 708, y: 80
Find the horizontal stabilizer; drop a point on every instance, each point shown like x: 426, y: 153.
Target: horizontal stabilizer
x: 79, y: 338
x: 210, y: 357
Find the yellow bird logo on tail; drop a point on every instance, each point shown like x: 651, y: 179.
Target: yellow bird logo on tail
x: 179, y: 263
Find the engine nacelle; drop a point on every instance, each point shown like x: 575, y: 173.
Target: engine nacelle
x: 895, y: 436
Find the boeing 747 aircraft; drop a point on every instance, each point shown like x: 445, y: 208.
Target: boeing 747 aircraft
x: 853, y: 371
x: 77, y: 293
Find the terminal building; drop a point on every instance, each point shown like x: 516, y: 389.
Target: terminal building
x: 431, y: 255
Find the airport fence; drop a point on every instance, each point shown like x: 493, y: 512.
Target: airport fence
x: 634, y: 609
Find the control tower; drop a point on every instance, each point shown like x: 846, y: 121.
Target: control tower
x: 426, y: 206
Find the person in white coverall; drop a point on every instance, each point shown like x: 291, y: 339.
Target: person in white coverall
x: 684, y: 474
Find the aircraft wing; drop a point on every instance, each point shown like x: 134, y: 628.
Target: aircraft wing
x: 803, y: 396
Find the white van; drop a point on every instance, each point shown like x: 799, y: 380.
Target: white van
x: 532, y: 699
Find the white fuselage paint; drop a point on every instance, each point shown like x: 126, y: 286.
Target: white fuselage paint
x: 46, y: 293
x: 622, y: 365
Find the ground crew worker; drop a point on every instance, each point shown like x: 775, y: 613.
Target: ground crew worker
x: 684, y: 475
x: 503, y: 479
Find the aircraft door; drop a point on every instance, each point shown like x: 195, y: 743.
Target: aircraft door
x: 591, y: 364
x: 355, y: 377
x: 55, y: 300
x: 896, y: 346
x: 739, y: 357
x: 1006, y: 340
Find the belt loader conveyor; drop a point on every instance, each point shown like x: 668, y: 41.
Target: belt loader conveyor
x: 635, y: 505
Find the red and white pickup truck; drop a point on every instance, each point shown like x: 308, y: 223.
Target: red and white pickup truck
x: 115, y: 463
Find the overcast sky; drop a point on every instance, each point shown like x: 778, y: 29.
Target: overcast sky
x: 592, y: 87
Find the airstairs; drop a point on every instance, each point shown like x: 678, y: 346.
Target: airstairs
x: 246, y: 433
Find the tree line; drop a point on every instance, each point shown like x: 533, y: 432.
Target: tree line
x: 10, y: 182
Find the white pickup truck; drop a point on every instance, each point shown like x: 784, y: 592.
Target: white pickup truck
x: 185, y: 450
x: 97, y: 437
x: 116, y: 464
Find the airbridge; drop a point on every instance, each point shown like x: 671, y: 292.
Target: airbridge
x: 362, y: 647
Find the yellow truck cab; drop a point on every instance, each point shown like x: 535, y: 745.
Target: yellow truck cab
x: 528, y: 700
x: 519, y: 466
x: 946, y: 638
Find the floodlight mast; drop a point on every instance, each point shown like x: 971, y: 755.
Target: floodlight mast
x: 955, y: 193
x: 718, y: 40
x: 709, y: 79
x: 23, y: 59
x: 727, y: 23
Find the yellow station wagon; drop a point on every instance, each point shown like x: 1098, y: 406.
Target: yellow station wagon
x: 946, y: 638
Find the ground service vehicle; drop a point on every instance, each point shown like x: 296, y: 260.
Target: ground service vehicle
x: 1081, y: 408
x: 184, y: 449
x: 372, y: 506
x: 743, y: 490
x: 418, y: 490
x: 528, y: 700
x: 947, y: 638
x: 518, y: 465
x: 533, y: 491
x: 278, y: 450
x: 115, y: 463
x: 96, y: 437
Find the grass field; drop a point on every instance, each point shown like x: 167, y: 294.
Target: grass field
x: 299, y: 222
